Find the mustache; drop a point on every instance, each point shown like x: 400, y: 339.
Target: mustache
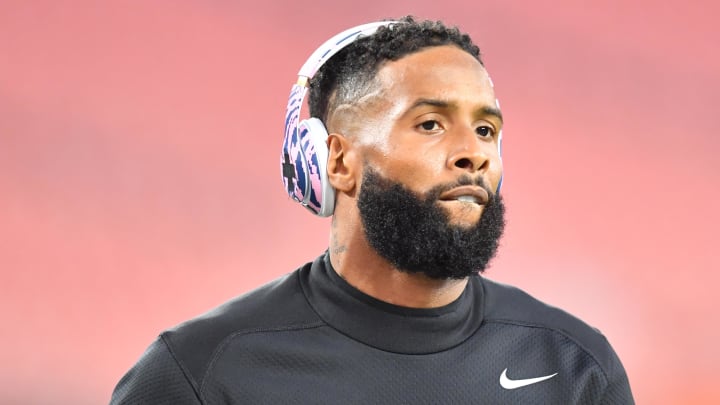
x: 432, y: 195
x: 464, y: 180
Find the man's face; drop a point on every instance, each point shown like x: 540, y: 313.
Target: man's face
x: 433, y: 119
x: 431, y: 128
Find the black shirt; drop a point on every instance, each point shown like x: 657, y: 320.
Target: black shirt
x: 312, y: 338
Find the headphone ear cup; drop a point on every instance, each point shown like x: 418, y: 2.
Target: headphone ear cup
x: 318, y: 194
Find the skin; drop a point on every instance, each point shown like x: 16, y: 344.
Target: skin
x: 431, y: 117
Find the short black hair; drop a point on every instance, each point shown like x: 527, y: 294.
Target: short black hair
x: 348, y: 73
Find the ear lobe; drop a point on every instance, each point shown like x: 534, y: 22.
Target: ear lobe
x: 341, y: 163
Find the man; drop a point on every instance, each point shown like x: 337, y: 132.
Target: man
x: 394, y: 311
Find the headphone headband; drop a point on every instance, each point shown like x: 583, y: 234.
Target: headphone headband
x: 337, y: 43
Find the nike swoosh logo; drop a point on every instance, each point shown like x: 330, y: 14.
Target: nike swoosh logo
x: 509, y: 384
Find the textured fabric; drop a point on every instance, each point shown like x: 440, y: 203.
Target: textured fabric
x: 156, y: 379
x: 311, y: 338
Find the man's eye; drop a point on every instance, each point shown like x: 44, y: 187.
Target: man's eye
x: 485, y: 131
x: 430, y: 125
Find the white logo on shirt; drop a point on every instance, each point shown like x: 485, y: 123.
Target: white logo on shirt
x: 509, y: 384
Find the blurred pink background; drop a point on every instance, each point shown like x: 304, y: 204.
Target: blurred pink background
x: 140, y: 185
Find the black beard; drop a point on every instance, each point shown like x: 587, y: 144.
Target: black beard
x: 415, y: 235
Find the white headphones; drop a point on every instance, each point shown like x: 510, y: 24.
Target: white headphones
x: 304, y: 152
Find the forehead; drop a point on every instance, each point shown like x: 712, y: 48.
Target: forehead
x: 444, y: 72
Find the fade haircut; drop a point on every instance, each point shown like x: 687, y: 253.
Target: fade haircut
x: 349, y: 74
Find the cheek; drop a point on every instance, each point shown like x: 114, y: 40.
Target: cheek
x: 417, y: 168
x: 495, y: 172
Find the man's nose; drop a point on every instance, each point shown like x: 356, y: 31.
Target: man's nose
x: 469, y: 152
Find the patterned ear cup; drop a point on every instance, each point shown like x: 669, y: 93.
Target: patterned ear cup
x: 304, y: 167
x: 304, y: 153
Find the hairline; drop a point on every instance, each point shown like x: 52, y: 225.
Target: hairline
x: 371, y: 83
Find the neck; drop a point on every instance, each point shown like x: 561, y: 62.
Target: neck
x: 360, y: 265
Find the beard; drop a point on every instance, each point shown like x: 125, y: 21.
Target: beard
x: 414, y: 232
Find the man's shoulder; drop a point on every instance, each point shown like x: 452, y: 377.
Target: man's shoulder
x: 277, y: 305
x: 274, y: 304
x: 512, y: 306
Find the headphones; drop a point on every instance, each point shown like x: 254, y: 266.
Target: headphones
x: 304, y: 151
x: 304, y: 155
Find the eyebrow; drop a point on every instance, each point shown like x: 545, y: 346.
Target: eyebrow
x: 486, y: 110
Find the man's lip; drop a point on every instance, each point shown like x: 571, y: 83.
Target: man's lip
x: 474, y: 191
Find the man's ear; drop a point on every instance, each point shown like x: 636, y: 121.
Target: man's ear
x: 342, y: 163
